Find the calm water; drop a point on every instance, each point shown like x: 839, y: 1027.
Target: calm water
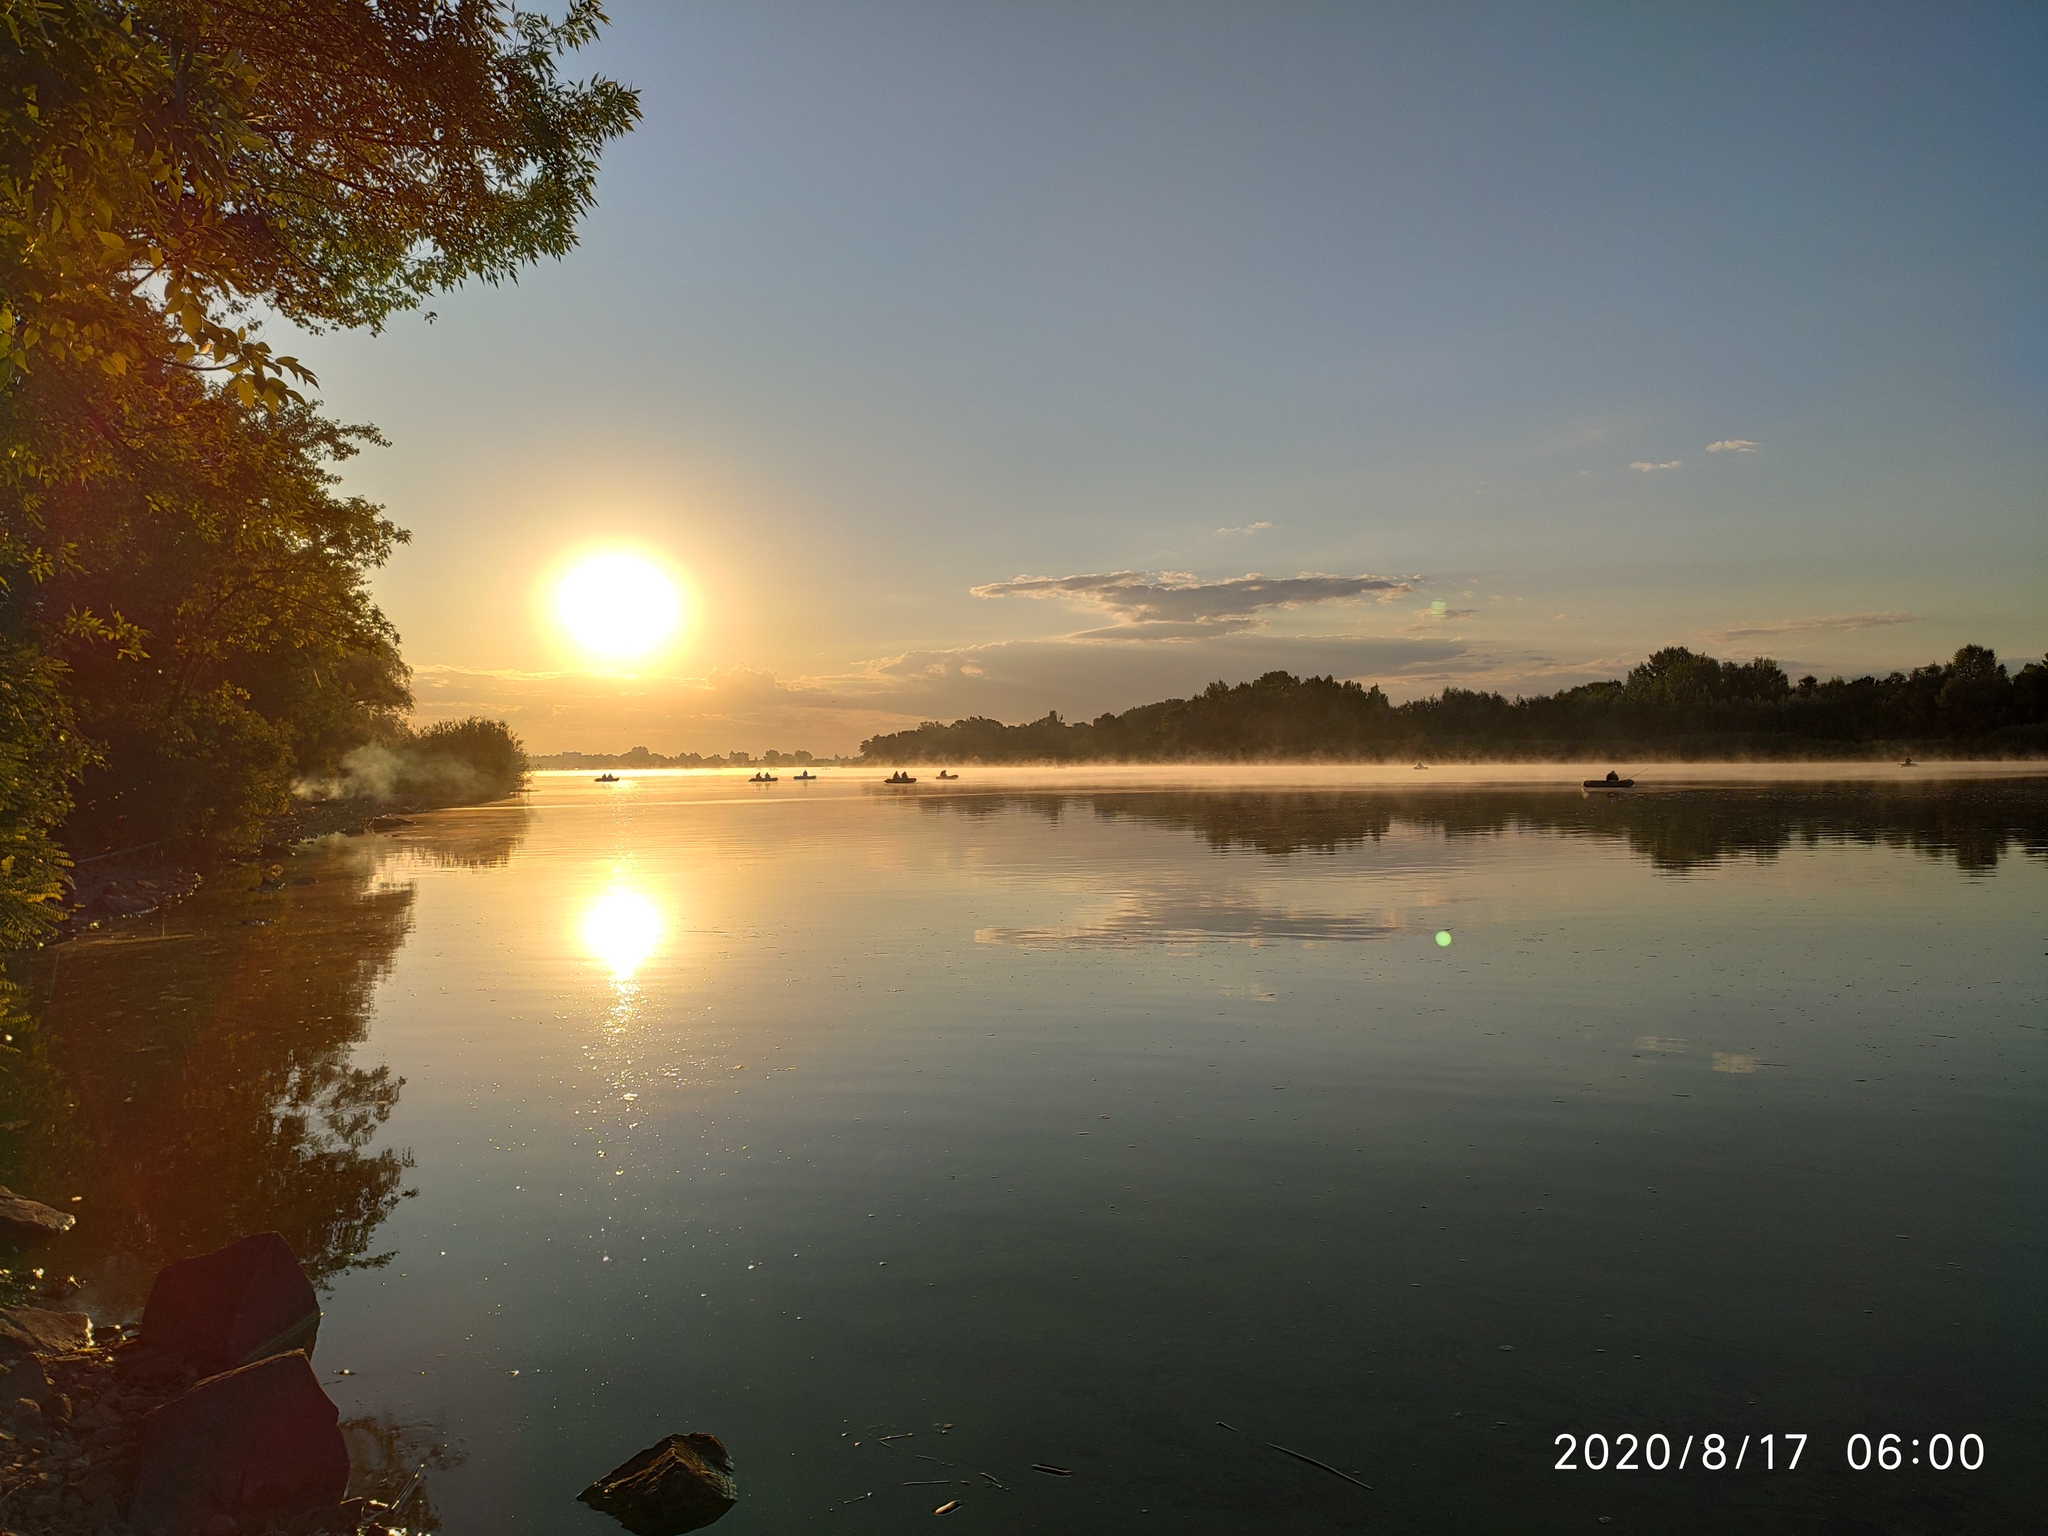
x: 1070, y: 1125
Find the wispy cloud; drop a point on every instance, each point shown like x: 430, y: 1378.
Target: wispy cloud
x: 1821, y: 624
x: 1733, y: 445
x: 1438, y: 612
x: 1651, y: 469
x: 1165, y: 605
x: 1168, y: 629
x: 1258, y: 527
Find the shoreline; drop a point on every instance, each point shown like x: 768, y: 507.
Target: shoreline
x: 130, y: 883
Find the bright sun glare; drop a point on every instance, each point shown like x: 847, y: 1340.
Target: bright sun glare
x: 622, y: 930
x: 618, y: 604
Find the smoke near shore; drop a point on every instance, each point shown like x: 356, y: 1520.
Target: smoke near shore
x: 459, y: 762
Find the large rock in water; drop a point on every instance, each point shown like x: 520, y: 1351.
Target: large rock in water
x: 232, y: 1307
x: 682, y: 1484
x: 257, y: 1443
x: 31, y: 1330
x: 31, y: 1219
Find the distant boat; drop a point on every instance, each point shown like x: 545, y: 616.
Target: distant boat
x: 1612, y: 781
x: 762, y: 778
x: 945, y: 775
x: 1909, y: 763
x: 899, y: 777
x: 607, y: 778
x: 805, y: 776
x: 1422, y: 765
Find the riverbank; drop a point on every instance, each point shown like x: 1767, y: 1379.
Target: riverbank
x: 137, y: 882
x: 110, y: 1429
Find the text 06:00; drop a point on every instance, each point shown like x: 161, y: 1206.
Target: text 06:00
x: 1889, y: 1452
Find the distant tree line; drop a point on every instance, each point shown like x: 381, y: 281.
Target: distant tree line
x: 186, y: 629
x: 1677, y: 703
x: 640, y: 757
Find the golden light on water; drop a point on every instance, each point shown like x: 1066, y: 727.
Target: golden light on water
x: 619, y: 605
x: 623, y: 929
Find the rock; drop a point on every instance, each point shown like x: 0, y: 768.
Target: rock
x: 682, y: 1484
x: 233, y: 1307
x: 25, y: 1330
x: 31, y: 1219
x: 23, y: 1376
x: 256, y: 1443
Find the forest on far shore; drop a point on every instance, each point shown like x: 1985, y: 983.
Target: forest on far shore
x: 1676, y: 704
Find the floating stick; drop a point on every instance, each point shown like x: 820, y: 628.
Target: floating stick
x: 1368, y: 1487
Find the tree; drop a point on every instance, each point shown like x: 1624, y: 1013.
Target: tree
x: 1975, y: 693
x: 175, y: 571
x: 206, y: 595
x: 40, y: 752
x: 333, y: 159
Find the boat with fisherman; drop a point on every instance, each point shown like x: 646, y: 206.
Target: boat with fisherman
x: 762, y: 778
x: 1612, y: 781
x: 899, y: 777
x: 606, y: 778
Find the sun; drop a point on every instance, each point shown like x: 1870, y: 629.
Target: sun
x: 618, y: 604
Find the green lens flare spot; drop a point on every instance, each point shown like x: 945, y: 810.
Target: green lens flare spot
x: 1443, y: 938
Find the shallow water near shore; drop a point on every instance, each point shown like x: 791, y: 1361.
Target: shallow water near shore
x: 1133, y: 1124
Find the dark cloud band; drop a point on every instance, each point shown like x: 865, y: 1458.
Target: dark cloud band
x: 1141, y: 599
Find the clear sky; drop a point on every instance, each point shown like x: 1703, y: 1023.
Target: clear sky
x: 1540, y: 335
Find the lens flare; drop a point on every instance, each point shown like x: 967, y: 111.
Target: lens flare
x: 623, y: 930
x: 618, y: 604
x: 1443, y: 938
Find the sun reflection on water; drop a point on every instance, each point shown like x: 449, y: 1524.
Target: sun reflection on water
x: 623, y: 930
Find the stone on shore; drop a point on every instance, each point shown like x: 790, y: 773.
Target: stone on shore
x: 232, y: 1307
x: 22, y: 1218
x: 681, y: 1484
x: 23, y: 1377
x: 257, y: 1443
x: 31, y: 1330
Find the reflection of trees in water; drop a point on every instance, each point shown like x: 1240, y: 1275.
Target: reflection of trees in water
x: 483, y: 837
x: 386, y: 1455
x: 1973, y: 822
x: 194, y: 1078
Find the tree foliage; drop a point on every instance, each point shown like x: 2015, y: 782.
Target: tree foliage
x: 333, y: 159
x: 205, y: 589
x: 40, y: 752
x: 183, y: 591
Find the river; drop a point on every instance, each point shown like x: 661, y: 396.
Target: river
x: 1140, y: 1125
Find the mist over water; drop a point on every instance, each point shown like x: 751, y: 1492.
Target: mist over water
x: 1051, y: 1117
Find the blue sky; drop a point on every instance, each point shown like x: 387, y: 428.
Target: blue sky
x: 887, y: 303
